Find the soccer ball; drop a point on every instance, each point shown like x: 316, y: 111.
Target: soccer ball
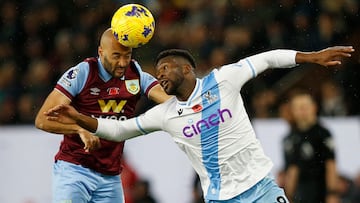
x: 133, y: 25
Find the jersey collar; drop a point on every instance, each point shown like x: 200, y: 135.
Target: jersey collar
x: 193, y: 94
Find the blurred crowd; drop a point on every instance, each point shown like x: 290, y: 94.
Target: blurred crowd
x: 40, y: 39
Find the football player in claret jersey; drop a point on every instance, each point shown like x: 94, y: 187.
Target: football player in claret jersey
x: 87, y: 168
x: 208, y: 121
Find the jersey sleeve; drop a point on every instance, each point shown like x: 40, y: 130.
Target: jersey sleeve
x: 289, y: 153
x: 328, y: 145
x: 116, y: 130
x: 73, y: 80
x: 147, y: 81
x: 245, y: 69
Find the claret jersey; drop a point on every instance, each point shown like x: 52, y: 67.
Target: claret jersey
x: 212, y: 127
x: 94, y: 92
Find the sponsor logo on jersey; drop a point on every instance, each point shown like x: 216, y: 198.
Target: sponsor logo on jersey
x: 112, y: 117
x: 132, y: 86
x: 72, y: 73
x: 180, y: 111
x: 113, y: 91
x: 112, y: 105
x: 215, y: 119
x: 94, y: 91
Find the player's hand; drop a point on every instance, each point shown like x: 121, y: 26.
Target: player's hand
x: 63, y: 113
x: 332, y: 56
x: 91, y: 142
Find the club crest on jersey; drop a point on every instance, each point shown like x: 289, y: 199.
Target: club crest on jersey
x: 132, y: 86
x: 113, y: 91
x: 210, y: 97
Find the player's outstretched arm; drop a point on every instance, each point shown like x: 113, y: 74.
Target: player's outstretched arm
x: 104, y: 128
x: 67, y: 114
x: 327, y: 57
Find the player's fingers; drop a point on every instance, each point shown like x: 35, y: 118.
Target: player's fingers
x: 344, y: 48
x: 54, y: 110
x: 86, y: 147
x: 344, y: 54
x: 52, y: 118
x: 333, y: 63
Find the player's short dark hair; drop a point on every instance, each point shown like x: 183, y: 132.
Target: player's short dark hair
x: 300, y: 91
x: 176, y: 52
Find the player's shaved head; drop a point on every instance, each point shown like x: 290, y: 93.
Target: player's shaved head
x: 107, y: 38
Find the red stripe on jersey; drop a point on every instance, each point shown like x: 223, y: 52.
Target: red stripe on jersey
x: 150, y: 87
x: 64, y: 91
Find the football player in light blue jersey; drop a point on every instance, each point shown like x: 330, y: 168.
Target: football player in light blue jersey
x: 208, y: 121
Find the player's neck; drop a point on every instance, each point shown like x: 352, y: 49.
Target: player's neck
x: 186, y: 90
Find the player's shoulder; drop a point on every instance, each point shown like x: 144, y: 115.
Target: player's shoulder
x: 324, y: 131
x: 79, y: 69
x: 136, y: 65
x: 170, y: 103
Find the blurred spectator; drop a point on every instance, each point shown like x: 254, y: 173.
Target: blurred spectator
x: 356, y: 196
x: 27, y: 109
x: 142, y: 192
x: 280, y: 178
x: 8, y: 92
x: 346, y: 190
x: 197, y: 191
x: 129, y: 179
x: 332, y: 100
x: 309, y: 155
x: 263, y: 104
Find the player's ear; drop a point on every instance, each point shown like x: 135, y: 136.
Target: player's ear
x: 186, y: 68
x: 100, y: 51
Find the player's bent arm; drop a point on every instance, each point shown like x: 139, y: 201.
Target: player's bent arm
x: 291, y: 180
x: 331, y: 176
x: 157, y: 94
x: 239, y: 73
x: 42, y: 123
x: 251, y: 66
x: 279, y: 58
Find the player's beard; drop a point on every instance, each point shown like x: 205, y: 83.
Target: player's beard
x: 113, y: 69
x: 172, y: 87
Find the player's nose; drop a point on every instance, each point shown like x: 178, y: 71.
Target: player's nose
x: 123, y: 63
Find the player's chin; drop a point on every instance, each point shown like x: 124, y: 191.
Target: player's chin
x: 118, y: 74
x: 169, y: 90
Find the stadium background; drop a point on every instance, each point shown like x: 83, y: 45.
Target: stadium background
x: 40, y: 39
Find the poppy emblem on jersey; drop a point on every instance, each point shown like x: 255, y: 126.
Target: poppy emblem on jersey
x: 197, y: 108
x: 72, y: 73
x: 132, y: 86
x: 113, y: 91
